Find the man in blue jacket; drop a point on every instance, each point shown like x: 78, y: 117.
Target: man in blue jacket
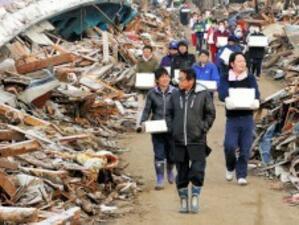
x: 239, y: 123
x: 172, y: 51
x: 204, y: 69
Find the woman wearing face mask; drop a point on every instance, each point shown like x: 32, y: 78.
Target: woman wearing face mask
x: 238, y: 33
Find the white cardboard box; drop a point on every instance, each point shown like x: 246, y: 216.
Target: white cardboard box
x: 222, y: 41
x: 155, y: 126
x: 241, y: 99
x: 206, y: 84
x: 225, y: 55
x: 168, y: 68
x: 176, y: 75
x: 258, y: 41
x: 145, y: 80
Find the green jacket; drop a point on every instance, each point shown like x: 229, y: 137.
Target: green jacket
x: 147, y: 67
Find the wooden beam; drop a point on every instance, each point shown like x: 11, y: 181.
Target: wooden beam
x: 9, y: 135
x: 19, y: 148
x: 23, y: 67
x: 7, y: 186
x: 18, y: 215
x: 27, y: 119
x: 71, y: 217
x: 73, y: 137
x: 6, y: 164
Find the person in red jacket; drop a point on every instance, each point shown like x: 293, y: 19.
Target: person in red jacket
x: 222, y: 31
x: 210, y: 40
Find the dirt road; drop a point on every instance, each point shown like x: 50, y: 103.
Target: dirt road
x: 221, y: 202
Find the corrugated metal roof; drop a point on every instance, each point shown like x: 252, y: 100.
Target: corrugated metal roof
x: 18, y: 15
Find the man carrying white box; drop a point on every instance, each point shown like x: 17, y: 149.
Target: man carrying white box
x: 157, y: 109
x: 257, y: 43
x: 207, y: 75
x: 239, y: 113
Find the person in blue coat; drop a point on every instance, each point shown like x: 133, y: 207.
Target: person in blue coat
x: 234, y: 46
x: 204, y: 69
x: 239, y: 123
x: 172, y: 51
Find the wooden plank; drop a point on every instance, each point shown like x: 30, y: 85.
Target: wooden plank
x: 18, y: 215
x: 19, y: 148
x: 9, y: 135
x: 29, y: 120
x: 73, y: 137
x: 6, y: 164
x: 7, y: 186
x: 71, y: 217
x: 44, y: 63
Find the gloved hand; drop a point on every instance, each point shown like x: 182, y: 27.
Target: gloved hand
x: 139, y: 129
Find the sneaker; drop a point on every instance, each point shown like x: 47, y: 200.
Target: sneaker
x: 242, y: 181
x: 229, y: 175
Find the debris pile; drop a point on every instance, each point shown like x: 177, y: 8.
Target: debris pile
x: 62, y: 106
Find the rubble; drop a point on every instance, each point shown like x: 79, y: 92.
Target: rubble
x: 63, y: 103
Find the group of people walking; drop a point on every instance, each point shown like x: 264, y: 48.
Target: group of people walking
x: 189, y: 111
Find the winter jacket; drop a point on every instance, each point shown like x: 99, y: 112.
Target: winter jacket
x: 256, y: 52
x: 218, y: 33
x: 157, y: 106
x: 182, y: 61
x: 199, y: 27
x: 206, y: 72
x: 166, y: 61
x: 147, y: 66
x: 225, y: 84
x: 193, y: 114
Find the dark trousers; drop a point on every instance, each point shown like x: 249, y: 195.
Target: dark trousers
x: 200, y: 40
x: 238, y: 135
x: 191, y: 171
x: 163, y: 147
x: 256, y: 67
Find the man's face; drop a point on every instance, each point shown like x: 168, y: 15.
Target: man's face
x: 182, y: 49
x: 173, y: 51
x: 239, y: 65
x: 147, y: 53
x: 203, y: 58
x: 164, y: 80
x: 185, y: 84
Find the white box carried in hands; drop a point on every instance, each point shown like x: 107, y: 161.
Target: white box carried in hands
x: 155, y: 126
x: 258, y: 41
x: 241, y: 99
x: 168, y: 68
x: 176, y: 75
x: 205, y: 35
x: 145, y: 80
x: 222, y: 41
x: 206, y: 84
x: 225, y: 55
